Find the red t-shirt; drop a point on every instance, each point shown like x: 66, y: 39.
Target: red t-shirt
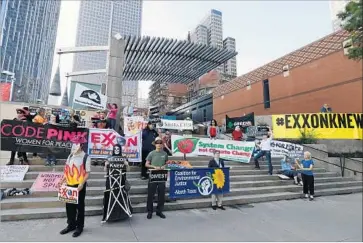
x: 237, y: 135
x: 213, y: 131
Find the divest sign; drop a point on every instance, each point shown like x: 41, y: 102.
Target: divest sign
x: 321, y: 125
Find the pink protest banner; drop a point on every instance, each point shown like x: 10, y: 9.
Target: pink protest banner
x: 47, y: 182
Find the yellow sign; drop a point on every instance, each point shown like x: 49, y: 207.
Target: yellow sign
x: 319, y: 125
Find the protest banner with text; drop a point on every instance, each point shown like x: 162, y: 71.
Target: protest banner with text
x: 47, y: 182
x: 229, y: 150
x: 102, y: 141
x: 134, y: 124
x: 243, y: 122
x: 13, y: 173
x: 280, y: 149
x: 201, y: 182
x: 38, y: 138
x: 319, y: 125
x: 175, y: 124
x: 68, y: 194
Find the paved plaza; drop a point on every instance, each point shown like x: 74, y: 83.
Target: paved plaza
x: 334, y: 218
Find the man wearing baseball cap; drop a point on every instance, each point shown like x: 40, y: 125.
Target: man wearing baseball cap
x: 156, y: 160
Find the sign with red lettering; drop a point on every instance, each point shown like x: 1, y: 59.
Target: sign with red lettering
x: 37, y: 138
x: 47, y: 182
x: 68, y: 194
x: 102, y: 141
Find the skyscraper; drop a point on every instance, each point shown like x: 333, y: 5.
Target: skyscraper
x: 210, y: 32
x: 93, y: 30
x: 28, y: 31
x: 337, y: 6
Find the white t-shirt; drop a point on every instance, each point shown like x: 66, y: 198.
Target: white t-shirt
x: 74, y: 170
x: 266, y: 144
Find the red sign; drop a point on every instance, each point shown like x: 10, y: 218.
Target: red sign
x: 5, y: 89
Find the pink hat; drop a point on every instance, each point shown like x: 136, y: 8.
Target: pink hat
x: 78, y: 139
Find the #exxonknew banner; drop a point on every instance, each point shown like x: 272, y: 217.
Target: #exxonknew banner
x: 31, y: 137
x: 102, y: 141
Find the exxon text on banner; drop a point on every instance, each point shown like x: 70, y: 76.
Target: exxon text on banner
x: 319, y: 125
x: 102, y: 141
x: 229, y: 150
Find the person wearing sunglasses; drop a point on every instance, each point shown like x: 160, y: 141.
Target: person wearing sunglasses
x: 156, y: 160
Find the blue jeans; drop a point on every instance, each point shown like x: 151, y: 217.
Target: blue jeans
x: 50, y: 158
x: 267, y: 154
x: 112, y: 123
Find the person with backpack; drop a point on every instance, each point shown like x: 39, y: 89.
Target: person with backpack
x: 76, y: 173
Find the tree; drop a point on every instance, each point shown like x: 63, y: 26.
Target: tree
x: 352, y: 19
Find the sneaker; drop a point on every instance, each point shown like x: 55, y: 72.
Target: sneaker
x: 311, y: 198
x: 149, y: 215
x: 47, y: 163
x: 222, y: 208
x: 161, y: 215
x: 214, y: 207
x: 296, y: 183
x: 306, y: 196
x: 301, y: 183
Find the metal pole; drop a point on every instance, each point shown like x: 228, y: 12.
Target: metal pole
x: 12, y: 89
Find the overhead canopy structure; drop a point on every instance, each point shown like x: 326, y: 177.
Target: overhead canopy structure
x: 169, y: 60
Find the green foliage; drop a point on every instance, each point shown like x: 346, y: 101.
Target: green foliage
x: 352, y: 19
x: 307, y: 137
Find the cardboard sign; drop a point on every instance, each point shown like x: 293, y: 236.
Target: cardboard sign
x: 11, y: 173
x: 47, y: 182
x: 158, y: 176
x: 68, y: 194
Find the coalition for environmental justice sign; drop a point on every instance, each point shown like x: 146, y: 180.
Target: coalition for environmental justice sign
x: 319, y: 125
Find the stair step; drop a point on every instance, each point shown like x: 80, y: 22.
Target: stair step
x: 101, y: 181
x: 46, y: 202
x: 57, y: 212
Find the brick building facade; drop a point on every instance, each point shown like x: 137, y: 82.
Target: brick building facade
x: 318, y: 73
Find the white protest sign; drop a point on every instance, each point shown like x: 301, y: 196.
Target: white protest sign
x: 12, y: 173
x: 175, y: 124
x: 68, y: 194
x: 88, y: 97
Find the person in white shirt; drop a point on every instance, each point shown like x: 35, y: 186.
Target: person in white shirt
x: 265, y: 147
x: 128, y: 110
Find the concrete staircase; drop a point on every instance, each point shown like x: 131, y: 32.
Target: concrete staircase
x: 247, y: 186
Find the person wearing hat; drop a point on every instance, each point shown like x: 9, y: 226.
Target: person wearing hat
x: 148, y: 137
x: 156, y: 160
x: 21, y: 116
x: 77, y: 160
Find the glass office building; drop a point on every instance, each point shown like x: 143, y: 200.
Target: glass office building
x: 27, y: 40
x: 93, y: 30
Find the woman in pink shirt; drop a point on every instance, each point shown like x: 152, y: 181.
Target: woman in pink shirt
x: 112, y: 115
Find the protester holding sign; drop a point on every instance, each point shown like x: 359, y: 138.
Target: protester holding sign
x: 76, y: 173
x: 216, y: 162
x: 116, y: 201
x: 21, y: 116
x: 148, y: 137
x: 156, y: 160
x: 213, y: 130
x: 265, y: 151
x: 306, y: 168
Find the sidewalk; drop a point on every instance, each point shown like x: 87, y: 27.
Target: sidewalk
x: 335, y: 218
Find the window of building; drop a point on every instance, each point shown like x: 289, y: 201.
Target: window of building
x: 266, y: 94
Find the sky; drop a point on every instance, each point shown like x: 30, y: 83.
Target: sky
x: 264, y: 30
